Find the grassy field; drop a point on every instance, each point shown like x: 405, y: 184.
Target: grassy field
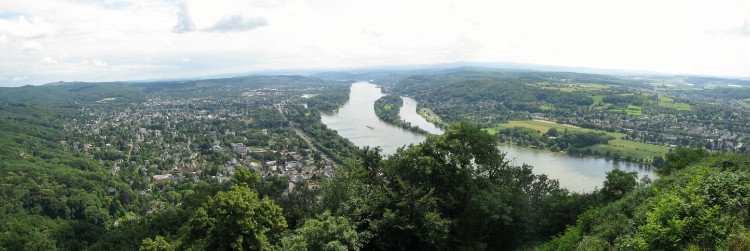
x: 670, y: 103
x: 598, y: 103
x: 544, y: 125
x: 106, y: 99
x: 635, y: 150
x: 571, y: 87
x: 490, y: 131
x: 546, y: 107
x: 625, y: 148
x: 597, y: 100
x: 634, y: 110
x: 430, y: 116
x: 540, y: 125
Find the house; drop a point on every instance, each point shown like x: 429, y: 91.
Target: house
x: 162, y: 178
x: 238, y: 147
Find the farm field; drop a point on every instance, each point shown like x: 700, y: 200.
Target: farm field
x: 634, y: 150
x: 671, y: 103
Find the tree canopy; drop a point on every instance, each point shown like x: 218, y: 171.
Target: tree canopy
x: 235, y: 220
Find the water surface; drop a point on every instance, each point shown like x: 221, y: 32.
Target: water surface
x: 356, y: 121
x: 409, y: 114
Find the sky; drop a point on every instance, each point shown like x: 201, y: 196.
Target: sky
x: 43, y: 41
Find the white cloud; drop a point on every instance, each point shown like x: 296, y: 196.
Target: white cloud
x: 743, y: 30
x: 22, y: 28
x: 48, y: 61
x: 19, y: 78
x: 184, y: 21
x: 238, y: 23
x: 31, y: 46
x: 95, y: 62
x: 3, y: 39
x: 215, y: 19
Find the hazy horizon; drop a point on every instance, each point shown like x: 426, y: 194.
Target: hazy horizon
x: 46, y: 41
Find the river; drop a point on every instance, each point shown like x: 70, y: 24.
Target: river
x: 356, y: 121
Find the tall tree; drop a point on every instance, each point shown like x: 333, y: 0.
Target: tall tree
x: 326, y: 232
x: 235, y: 220
x: 618, y: 183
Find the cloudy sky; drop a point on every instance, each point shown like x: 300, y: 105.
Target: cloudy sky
x: 44, y: 41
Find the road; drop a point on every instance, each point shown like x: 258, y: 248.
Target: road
x: 302, y: 135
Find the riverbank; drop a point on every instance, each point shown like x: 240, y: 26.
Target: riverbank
x: 431, y: 117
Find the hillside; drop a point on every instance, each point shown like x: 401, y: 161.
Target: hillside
x: 703, y: 206
x: 50, y: 197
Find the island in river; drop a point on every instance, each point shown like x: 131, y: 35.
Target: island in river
x: 351, y: 121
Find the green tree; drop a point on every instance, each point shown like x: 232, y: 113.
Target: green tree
x: 658, y: 161
x: 326, y: 232
x: 552, y: 132
x: 156, y: 244
x: 681, y: 158
x: 618, y: 183
x: 236, y: 219
x: 246, y: 178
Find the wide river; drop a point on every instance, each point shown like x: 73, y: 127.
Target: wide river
x: 356, y: 121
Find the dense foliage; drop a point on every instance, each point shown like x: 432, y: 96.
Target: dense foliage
x: 331, y: 100
x: 387, y: 108
x: 703, y: 206
x: 50, y: 197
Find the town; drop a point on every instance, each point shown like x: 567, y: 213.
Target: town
x: 169, y: 139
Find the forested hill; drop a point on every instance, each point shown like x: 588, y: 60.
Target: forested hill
x: 701, y: 203
x: 49, y: 197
